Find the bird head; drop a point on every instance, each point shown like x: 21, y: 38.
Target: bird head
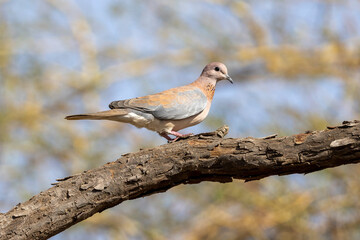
x: 217, y: 71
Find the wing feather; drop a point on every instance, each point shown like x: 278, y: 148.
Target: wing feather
x: 172, y: 104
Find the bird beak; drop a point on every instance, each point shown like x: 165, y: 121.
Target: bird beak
x: 229, y: 78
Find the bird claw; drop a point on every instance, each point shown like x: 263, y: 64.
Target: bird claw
x: 182, y: 136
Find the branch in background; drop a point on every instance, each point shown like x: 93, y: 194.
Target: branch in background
x: 204, y: 157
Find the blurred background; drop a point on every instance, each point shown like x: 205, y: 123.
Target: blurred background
x: 295, y: 65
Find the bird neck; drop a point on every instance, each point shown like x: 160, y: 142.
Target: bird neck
x: 207, y: 85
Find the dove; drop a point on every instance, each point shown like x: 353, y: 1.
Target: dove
x: 169, y: 111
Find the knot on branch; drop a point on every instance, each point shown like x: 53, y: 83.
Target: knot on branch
x: 220, y: 133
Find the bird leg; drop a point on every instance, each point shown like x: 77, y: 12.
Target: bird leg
x: 176, y: 134
x: 165, y: 136
x: 179, y: 135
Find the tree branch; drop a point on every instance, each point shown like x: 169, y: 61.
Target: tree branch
x: 204, y: 157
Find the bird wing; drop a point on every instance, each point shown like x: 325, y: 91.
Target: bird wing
x: 173, y: 104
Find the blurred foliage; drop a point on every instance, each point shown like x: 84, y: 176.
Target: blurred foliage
x: 296, y: 66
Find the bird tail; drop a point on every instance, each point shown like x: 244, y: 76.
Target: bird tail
x: 113, y: 114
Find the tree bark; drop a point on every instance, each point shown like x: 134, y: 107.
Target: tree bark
x: 204, y: 157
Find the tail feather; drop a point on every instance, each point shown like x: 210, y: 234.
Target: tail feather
x: 104, y: 115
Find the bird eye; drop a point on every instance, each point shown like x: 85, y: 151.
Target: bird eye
x: 217, y: 69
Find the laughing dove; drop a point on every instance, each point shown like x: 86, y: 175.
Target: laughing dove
x: 169, y: 111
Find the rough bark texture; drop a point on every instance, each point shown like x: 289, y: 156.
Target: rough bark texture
x: 206, y: 157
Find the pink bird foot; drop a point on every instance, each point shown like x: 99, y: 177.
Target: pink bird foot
x: 177, y: 136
